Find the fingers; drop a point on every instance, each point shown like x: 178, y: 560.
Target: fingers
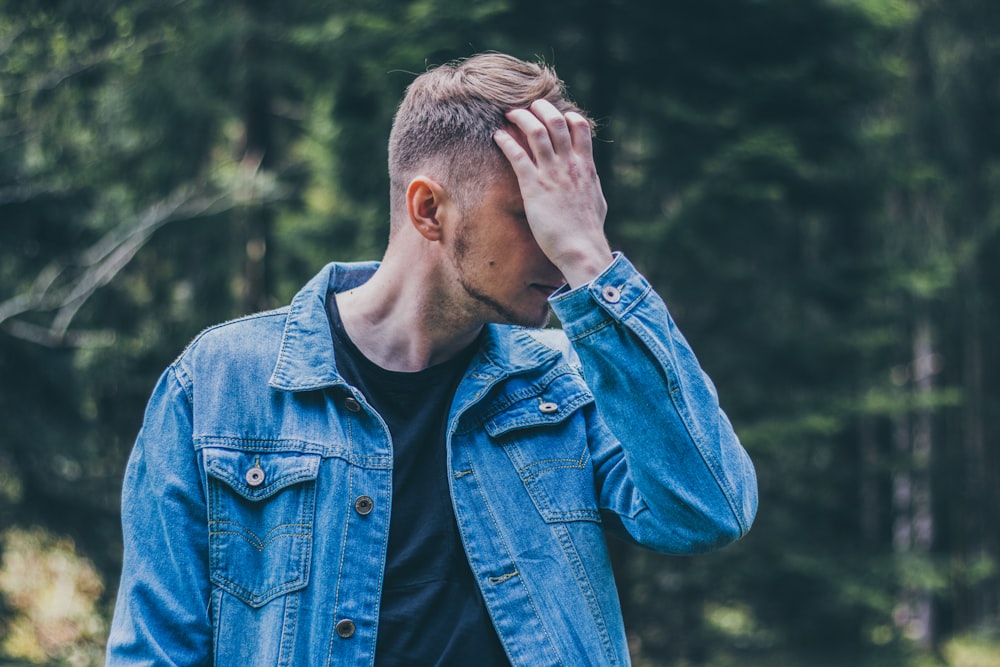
x: 515, y: 153
x: 549, y: 132
x: 556, y: 126
x: 580, y: 132
x: 550, y: 153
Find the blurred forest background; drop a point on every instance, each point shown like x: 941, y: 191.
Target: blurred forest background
x: 811, y: 184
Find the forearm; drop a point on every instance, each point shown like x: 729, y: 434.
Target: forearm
x: 673, y: 469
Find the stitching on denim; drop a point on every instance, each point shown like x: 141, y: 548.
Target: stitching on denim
x: 539, y: 493
x: 604, y: 323
x: 350, y: 438
x: 586, y: 588
x: 289, y: 616
x: 712, y: 463
x: 536, y: 388
x: 304, y: 570
x: 540, y: 419
x: 251, y: 598
x: 506, y: 548
x: 283, y: 311
x: 295, y: 572
x: 256, y: 540
x: 492, y: 381
x: 293, y: 310
x: 229, y: 522
x: 580, y: 462
x: 570, y: 462
x: 556, y: 516
x: 640, y: 298
x: 246, y: 318
x: 619, y: 313
x: 298, y: 574
x: 683, y: 411
x: 340, y: 567
x: 536, y: 491
x: 308, y: 511
x: 216, y: 599
x: 235, y: 440
x: 213, y: 507
x: 183, y: 380
x: 286, y: 446
x: 568, y: 466
x: 242, y: 489
x: 381, y: 580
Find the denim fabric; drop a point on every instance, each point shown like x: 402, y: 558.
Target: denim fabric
x: 256, y: 500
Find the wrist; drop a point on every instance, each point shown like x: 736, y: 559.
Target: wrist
x: 582, y: 266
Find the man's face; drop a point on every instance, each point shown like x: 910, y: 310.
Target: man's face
x: 498, y: 263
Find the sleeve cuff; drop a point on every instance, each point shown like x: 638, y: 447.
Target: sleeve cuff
x: 616, y: 291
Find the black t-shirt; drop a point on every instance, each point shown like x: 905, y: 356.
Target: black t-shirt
x: 432, y: 611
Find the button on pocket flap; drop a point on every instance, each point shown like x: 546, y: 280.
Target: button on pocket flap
x: 258, y: 476
x: 538, y: 405
x: 261, y: 513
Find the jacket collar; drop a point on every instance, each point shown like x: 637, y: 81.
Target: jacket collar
x: 306, y: 358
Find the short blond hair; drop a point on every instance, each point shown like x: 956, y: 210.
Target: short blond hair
x: 446, y: 121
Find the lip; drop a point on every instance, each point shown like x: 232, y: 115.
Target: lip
x: 549, y: 290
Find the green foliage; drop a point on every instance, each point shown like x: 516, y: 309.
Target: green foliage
x: 809, y: 183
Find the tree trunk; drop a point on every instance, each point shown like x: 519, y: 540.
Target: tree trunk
x: 257, y: 152
x: 913, y: 529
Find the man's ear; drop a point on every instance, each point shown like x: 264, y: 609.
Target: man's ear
x: 426, y: 203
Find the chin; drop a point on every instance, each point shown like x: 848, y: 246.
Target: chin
x: 517, y: 313
x: 544, y: 320
x: 534, y: 322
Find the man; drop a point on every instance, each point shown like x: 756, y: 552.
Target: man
x: 399, y: 468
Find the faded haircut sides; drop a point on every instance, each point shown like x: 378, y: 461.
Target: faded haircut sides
x: 445, y: 123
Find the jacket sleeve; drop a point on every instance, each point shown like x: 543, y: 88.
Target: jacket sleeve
x: 671, y: 472
x: 161, y: 614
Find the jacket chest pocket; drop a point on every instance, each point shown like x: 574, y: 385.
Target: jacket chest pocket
x: 544, y: 434
x: 261, y: 510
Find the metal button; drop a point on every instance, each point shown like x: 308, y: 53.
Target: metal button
x: 346, y: 628
x: 363, y: 505
x: 255, y: 476
x: 352, y: 404
x: 548, y: 407
x: 611, y: 294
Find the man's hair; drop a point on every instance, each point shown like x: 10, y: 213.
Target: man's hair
x: 445, y: 124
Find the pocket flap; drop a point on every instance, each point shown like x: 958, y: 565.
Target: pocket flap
x: 538, y: 406
x: 258, y: 476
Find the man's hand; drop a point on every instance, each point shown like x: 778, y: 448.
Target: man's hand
x: 560, y: 187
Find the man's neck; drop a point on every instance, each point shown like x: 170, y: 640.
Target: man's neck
x: 402, y: 319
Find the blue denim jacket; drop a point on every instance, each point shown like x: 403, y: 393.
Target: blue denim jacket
x: 256, y: 501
